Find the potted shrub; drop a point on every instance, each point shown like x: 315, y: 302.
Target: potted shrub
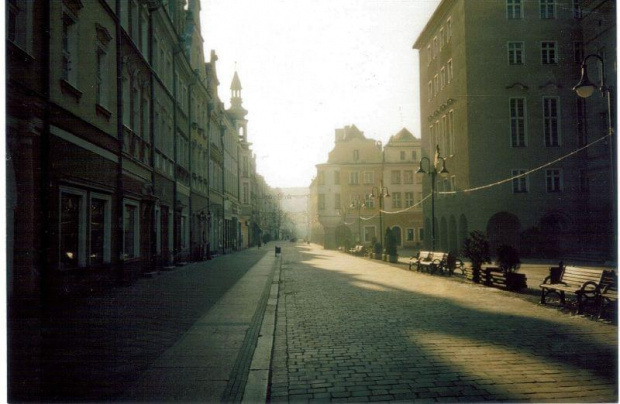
x: 476, y: 248
x: 377, y: 250
x: 391, y: 253
x: 509, y: 262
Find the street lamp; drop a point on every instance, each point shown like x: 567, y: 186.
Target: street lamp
x: 358, y: 204
x: 382, y: 192
x: 584, y: 89
x: 432, y: 171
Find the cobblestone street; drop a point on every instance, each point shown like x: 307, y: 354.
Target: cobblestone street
x: 354, y: 329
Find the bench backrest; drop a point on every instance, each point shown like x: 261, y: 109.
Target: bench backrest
x: 579, y: 276
x: 424, y: 255
x: 609, y: 281
x: 439, y: 256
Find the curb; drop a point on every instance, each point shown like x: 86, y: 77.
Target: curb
x: 257, y: 385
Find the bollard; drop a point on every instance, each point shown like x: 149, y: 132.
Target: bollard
x: 278, y: 250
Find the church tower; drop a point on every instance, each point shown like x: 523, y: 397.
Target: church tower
x: 236, y: 110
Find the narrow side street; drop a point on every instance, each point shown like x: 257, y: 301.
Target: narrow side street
x: 354, y: 329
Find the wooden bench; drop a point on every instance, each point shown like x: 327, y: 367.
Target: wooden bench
x: 437, y: 261
x: 608, y: 299
x: 422, y: 256
x: 582, y: 282
x: 357, y: 250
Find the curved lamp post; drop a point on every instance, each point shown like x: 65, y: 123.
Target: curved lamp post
x: 358, y: 204
x: 381, y: 193
x: 432, y: 171
x: 584, y: 89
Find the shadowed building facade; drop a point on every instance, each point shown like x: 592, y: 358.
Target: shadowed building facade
x: 496, y: 82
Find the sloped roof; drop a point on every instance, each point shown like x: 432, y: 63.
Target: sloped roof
x: 236, y: 83
x: 403, y: 136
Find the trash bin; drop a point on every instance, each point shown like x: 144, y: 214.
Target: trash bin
x: 278, y: 250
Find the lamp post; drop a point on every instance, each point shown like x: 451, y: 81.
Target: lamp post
x: 382, y: 192
x: 432, y: 171
x: 358, y: 204
x: 584, y: 89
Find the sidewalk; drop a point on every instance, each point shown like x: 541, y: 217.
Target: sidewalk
x: 212, y: 360
x: 187, y: 334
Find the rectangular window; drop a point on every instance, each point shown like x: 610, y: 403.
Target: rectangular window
x: 435, y: 47
x: 582, y: 133
x: 430, y: 90
x: 517, y: 122
x: 448, y: 29
x: 336, y: 201
x: 577, y: 11
x: 519, y: 184
x: 436, y: 84
x: 69, y: 48
x: 408, y: 177
x: 450, y: 72
x: 356, y: 155
x: 321, y: 201
x: 100, y: 225
x: 354, y: 178
x: 414, y: 155
x: 369, y: 202
x: 515, y: 53
x: 410, y: 234
x: 453, y: 183
x: 553, y: 179
x: 548, y: 52
x: 578, y: 52
x: 402, y: 154
x: 322, y: 178
x: 442, y: 38
x: 395, y: 176
x: 429, y: 54
x: 514, y: 9
x: 442, y: 75
x: 131, y: 230
x: 450, y: 138
x: 72, y: 230
x: 396, y: 200
x: 102, y: 84
x: 547, y: 9
x: 409, y: 199
x: 369, y: 177
x: 551, y: 120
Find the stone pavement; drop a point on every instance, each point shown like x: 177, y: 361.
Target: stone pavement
x: 353, y: 329
x: 185, y: 335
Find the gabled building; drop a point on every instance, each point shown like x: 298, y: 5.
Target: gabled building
x: 364, y: 188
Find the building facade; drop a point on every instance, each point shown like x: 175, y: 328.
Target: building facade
x: 364, y: 188
x: 496, y: 82
x: 123, y: 158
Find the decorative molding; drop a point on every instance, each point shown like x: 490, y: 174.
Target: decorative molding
x: 103, y: 35
x: 517, y: 85
x: 551, y: 85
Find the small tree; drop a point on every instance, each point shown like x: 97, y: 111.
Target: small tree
x: 508, y: 258
x: 390, y: 243
x: 477, y: 249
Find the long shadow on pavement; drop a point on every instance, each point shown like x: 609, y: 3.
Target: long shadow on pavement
x: 468, y: 333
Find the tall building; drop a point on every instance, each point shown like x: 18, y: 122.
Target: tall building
x: 123, y: 158
x: 496, y: 82
x: 365, y: 188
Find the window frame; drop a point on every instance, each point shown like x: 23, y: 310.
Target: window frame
x: 552, y: 138
x: 516, y: 53
x: 517, y: 139
x: 549, y: 53
x: 545, y: 6
x: 556, y: 176
x: 136, y: 247
x: 514, y: 10
x: 520, y: 185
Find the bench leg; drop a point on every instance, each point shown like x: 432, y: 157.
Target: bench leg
x: 543, y: 295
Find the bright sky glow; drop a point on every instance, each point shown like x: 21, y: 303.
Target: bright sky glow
x: 308, y: 67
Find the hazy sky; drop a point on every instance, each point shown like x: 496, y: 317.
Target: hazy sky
x: 308, y: 67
